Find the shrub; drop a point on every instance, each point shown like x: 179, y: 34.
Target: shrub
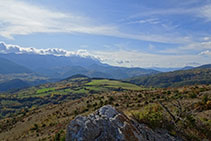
x: 60, y: 136
x: 139, y: 95
x: 95, y: 104
x: 35, y: 127
x: 192, y: 95
x: 111, y: 98
x: 151, y: 115
x: 205, y: 99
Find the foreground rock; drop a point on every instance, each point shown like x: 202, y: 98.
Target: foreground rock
x: 107, y: 124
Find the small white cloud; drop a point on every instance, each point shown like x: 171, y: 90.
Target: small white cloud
x: 205, y: 12
x: 206, y: 53
x: 83, y: 52
x: 207, y: 38
x: 146, y: 21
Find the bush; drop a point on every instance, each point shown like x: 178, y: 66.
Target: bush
x: 60, y: 136
x: 151, y: 115
x: 192, y: 95
x: 35, y: 127
x: 205, y: 99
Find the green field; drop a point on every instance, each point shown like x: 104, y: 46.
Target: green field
x: 45, y: 90
x: 59, y: 91
x: 76, y: 86
x: 113, y: 84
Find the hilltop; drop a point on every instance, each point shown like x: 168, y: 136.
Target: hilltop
x: 198, y: 75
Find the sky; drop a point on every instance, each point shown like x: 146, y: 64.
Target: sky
x: 129, y: 33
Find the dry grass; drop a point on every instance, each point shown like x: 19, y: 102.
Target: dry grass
x: 45, y: 122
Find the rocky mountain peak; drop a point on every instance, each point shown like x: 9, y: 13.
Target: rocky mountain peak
x: 108, y: 124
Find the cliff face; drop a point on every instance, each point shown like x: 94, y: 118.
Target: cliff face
x: 107, y: 124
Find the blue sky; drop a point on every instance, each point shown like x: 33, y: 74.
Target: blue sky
x: 130, y: 33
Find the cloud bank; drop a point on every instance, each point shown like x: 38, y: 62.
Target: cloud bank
x: 124, y: 58
x: 7, y: 48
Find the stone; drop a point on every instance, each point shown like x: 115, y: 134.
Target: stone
x: 107, y: 124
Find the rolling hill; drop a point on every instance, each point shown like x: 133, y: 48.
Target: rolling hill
x: 74, y: 87
x: 199, y: 75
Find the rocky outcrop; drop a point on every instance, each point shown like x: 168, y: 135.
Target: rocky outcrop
x: 107, y: 124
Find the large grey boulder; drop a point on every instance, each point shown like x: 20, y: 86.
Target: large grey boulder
x: 107, y: 124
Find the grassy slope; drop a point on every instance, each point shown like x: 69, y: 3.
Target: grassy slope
x: 73, y: 88
x: 49, y: 121
x: 175, y: 79
x: 105, y: 83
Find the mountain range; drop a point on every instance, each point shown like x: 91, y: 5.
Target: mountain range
x: 32, y: 66
x: 7, y: 67
x: 59, y: 64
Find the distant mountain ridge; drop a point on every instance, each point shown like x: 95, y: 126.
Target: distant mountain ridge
x: 60, y: 67
x: 207, y: 66
x: 171, y: 69
x: 198, y: 75
x: 9, y: 67
x: 44, y: 65
x: 13, y: 85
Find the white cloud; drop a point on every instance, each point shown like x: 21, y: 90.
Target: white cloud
x: 7, y: 48
x: 124, y: 58
x: 143, y: 59
x: 202, y: 11
x: 197, y: 46
x: 145, y: 21
x: 206, y: 53
x: 206, y: 38
x: 200, y: 46
x: 167, y: 11
x: 20, y: 18
x: 205, y: 12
